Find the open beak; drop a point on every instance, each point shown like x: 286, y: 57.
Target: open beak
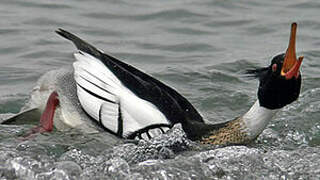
x: 291, y: 65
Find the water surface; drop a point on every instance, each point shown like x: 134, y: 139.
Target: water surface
x: 201, y: 48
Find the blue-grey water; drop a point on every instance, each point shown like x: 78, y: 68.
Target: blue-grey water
x: 201, y: 48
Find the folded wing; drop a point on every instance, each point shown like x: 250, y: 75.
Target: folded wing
x: 126, y: 101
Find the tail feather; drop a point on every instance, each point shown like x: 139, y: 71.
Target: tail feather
x: 80, y: 44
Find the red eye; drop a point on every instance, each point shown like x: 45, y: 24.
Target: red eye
x: 274, y: 67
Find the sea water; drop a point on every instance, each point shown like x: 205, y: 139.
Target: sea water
x: 200, y: 48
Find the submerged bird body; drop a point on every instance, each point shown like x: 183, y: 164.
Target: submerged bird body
x: 68, y: 113
x: 131, y: 104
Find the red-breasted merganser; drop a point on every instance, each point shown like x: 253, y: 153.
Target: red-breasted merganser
x: 131, y: 104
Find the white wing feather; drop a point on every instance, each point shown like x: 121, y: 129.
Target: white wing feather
x: 102, y: 95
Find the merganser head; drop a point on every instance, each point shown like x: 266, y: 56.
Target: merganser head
x: 280, y: 82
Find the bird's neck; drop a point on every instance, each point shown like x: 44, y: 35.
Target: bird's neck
x: 241, y: 130
x: 256, y: 119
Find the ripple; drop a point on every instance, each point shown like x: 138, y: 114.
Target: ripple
x: 238, y: 66
x: 180, y: 47
x: 306, y: 5
x: 44, y: 21
x: 256, y: 30
x: 9, y: 31
x: 104, y: 33
x: 227, y: 23
x: 12, y: 104
x: 41, y: 5
x: 188, y: 31
x: 164, y: 14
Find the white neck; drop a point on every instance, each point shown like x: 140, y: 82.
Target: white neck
x: 257, y: 118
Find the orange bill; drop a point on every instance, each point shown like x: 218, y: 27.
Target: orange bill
x: 291, y: 66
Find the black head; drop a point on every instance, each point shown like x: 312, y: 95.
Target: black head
x: 280, y: 82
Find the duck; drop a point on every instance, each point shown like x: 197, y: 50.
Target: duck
x: 102, y: 93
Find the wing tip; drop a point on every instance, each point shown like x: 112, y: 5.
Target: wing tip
x: 65, y: 34
x: 79, y: 43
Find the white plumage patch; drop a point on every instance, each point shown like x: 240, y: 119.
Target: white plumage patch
x: 107, y: 100
x: 109, y: 115
x: 257, y: 118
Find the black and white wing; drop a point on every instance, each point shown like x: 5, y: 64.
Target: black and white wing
x: 107, y: 100
x: 124, y: 100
